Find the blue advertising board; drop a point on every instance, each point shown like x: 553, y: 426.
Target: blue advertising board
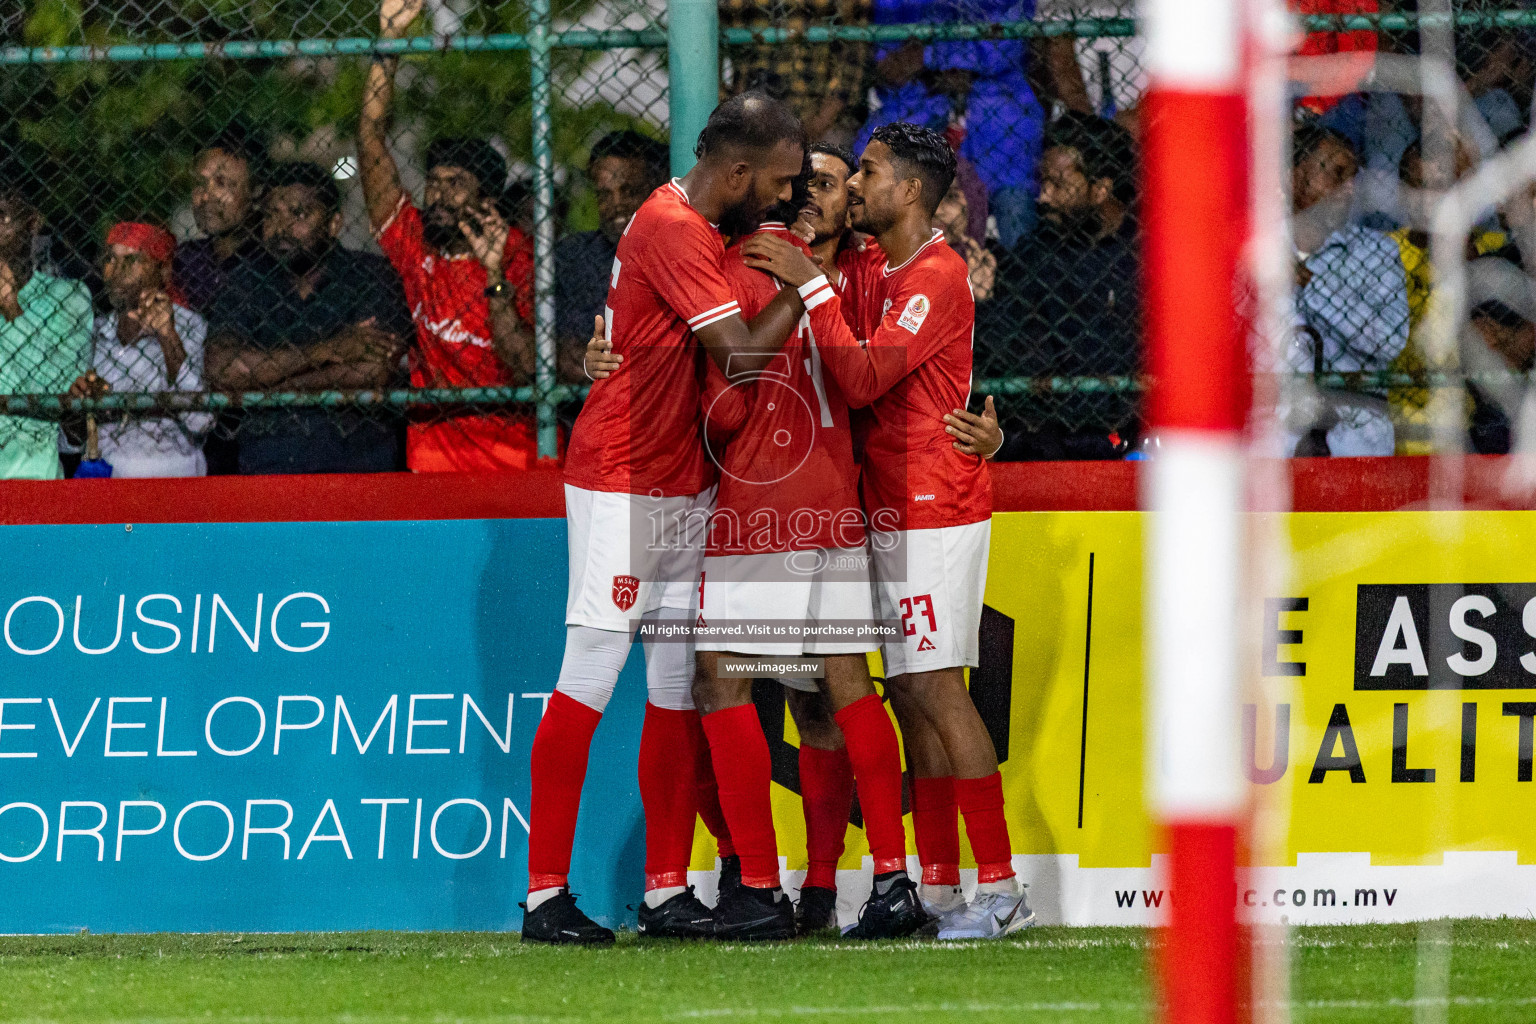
x: 290, y: 726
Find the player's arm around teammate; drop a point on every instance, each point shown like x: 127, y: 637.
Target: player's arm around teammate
x: 636, y: 465
x: 920, y: 317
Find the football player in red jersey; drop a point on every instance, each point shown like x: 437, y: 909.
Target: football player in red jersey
x: 905, y: 353
x: 826, y: 776
x: 638, y: 494
x: 786, y: 547
x: 826, y: 773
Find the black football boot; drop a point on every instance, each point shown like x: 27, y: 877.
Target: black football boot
x: 557, y: 921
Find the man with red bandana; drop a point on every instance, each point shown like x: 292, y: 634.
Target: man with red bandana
x: 149, y: 342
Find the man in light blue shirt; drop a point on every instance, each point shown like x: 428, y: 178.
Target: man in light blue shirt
x: 45, y: 341
x: 1351, y: 313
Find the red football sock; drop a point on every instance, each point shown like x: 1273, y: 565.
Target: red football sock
x: 981, y: 801
x: 876, y: 761
x: 668, y: 792
x: 744, y: 773
x: 826, y: 793
x: 558, y: 769
x: 936, y: 827
x: 709, y: 793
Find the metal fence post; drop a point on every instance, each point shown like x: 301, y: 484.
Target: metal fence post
x: 543, y: 228
x: 693, y: 73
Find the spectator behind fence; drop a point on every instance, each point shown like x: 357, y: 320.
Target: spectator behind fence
x: 1424, y: 185
x: 1351, y: 303
x: 226, y: 187
x: 824, y: 83
x: 468, y: 277
x: 1512, y: 338
x: 149, y: 342
x: 953, y: 217
x: 1497, y: 65
x: 310, y: 316
x: 1496, y: 348
x: 1069, y: 298
x: 45, y: 336
x: 975, y: 92
x: 624, y: 168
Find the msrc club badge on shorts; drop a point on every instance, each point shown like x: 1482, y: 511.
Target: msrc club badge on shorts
x: 625, y: 590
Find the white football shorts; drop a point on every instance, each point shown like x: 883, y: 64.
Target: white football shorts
x: 818, y: 598
x: 631, y: 554
x: 932, y: 582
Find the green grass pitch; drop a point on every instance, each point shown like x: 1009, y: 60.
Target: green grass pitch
x: 1346, y: 974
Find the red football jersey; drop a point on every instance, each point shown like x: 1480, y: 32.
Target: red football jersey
x: 453, y: 345
x: 905, y: 352
x: 787, y: 476
x: 639, y: 432
x: 857, y: 264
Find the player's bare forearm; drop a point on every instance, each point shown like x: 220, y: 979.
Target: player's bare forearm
x: 738, y: 347
x: 772, y: 327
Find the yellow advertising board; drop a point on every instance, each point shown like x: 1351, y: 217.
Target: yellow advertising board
x: 1388, y: 737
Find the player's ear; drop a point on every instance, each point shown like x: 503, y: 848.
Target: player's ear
x: 913, y: 191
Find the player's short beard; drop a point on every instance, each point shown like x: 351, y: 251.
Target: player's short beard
x: 785, y: 213
x: 870, y: 223
x: 739, y: 220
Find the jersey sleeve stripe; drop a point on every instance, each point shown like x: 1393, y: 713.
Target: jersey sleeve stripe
x: 711, y: 314
x: 820, y: 295
x: 734, y: 310
x: 816, y: 291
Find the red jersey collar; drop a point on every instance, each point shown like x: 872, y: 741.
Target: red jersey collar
x: 889, y: 270
x: 676, y: 185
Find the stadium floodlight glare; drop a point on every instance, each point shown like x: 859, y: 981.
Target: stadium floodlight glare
x: 1196, y: 210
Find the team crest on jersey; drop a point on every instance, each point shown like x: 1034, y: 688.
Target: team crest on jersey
x: 625, y: 590
x: 916, y: 312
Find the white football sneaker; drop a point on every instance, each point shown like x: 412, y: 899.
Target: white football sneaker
x: 989, y: 916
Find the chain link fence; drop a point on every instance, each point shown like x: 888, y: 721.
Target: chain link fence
x: 266, y: 236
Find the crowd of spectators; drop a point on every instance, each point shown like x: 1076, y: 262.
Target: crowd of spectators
x: 1044, y: 209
